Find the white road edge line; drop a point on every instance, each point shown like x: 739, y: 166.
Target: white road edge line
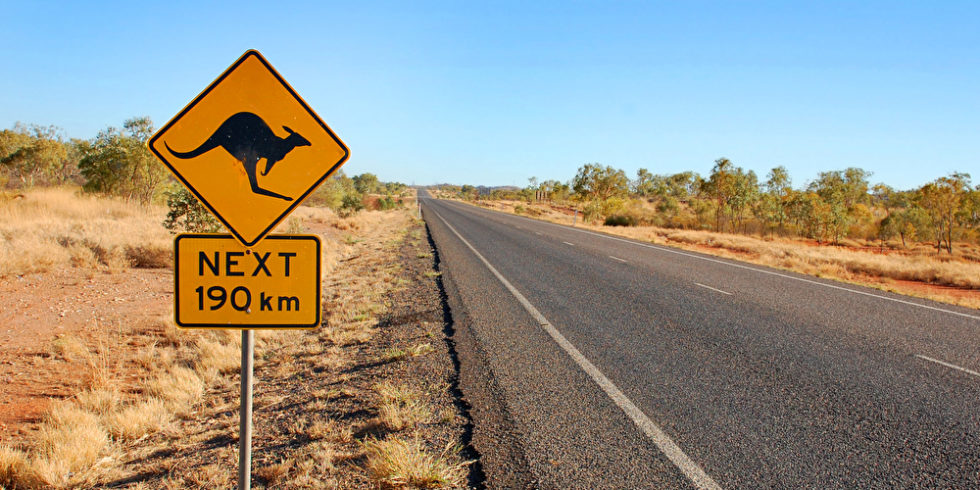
x: 617, y: 258
x: 569, y: 243
x: 713, y: 289
x: 953, y: 366
x: 740, y: 266
x: 698, y: 477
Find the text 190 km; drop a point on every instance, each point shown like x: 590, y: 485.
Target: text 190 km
x: 240, y: 299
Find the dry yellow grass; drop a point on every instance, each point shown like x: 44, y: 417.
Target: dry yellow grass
x: 396, y: 463
x: 331, y: 430
x: 274, y: 474
x: 179, y: 388
x: 68, y: 443
x: 74, y: 443
x: 68, y: 348
x: 217, y: 357
x: 400, y: 407
x: 136, y: 420
x: 57, y: 227
x: 101, y: 402
x: 177, y: 367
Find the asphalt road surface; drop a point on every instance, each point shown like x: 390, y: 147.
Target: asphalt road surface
x: 594, y: 361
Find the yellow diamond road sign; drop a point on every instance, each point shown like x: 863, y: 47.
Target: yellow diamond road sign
x: 249, y: 148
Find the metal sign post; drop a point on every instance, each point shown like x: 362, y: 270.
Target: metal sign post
x: 248, y: 279
x: 245, y: 422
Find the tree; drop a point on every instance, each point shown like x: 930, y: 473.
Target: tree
x: 366, y: 183
x: 643, y: 185
x: 719, y: 187
x: 37, y: 154
x: 942, y: 200
x: 558, y: 191
x: 331, y: 192
x: 970, y: 208
x: 593, y: 181
x: 734, y: 190
x: 841, y: 191
x: 117, y: 162
x: 779, y: 188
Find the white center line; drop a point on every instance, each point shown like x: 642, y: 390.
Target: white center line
x: 713, y: 289
x: 671, y: 450
x: 754, y: 269
x: 617, y: 258
x: 537, y: 233
x: 567, y: 243
x: 954, y: 366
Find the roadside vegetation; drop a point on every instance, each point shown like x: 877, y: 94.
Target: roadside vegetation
x: 51, y: 214
x: 116, y: 163
x: 151, y: 406
x: 837, y: 225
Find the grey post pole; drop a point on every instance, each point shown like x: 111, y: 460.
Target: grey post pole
x: 245, y: 422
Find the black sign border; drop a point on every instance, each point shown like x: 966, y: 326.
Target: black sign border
x: 249, y: 326
x: 297, y: 201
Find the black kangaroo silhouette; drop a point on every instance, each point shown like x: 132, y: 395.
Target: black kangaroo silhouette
x: 249, y: 139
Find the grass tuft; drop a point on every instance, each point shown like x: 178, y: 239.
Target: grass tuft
x: 68, y: 348
x: 179, y: 388
x: 400, y: 406
x: 139, y: 419
x: 274, y: 473
x: 397, y: 463
x: 100, y: 402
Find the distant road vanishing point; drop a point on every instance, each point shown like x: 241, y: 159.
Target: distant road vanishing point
x: 594, y: 361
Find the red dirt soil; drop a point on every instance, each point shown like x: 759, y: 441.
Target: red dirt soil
x: 37, y: 308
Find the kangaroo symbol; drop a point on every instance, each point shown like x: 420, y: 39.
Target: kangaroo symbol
x: 249, y: 139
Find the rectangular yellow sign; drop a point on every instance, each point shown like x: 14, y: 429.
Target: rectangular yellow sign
x: 221, y: 284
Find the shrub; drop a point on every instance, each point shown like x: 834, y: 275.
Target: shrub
x: 351, y: 204
x: 117, y: 162
x: 620, y: 220
x: 187, y: 214
x: 388, y: 203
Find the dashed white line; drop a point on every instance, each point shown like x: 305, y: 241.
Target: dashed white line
x: 713, y: 289
x: 537, y: 233
x: 953, y: 366
x: 698, y: 477
x: 569, y: 243
x: 763, y: 271
x: 617, y: 258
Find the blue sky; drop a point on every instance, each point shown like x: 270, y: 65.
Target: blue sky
x: 497, y: 92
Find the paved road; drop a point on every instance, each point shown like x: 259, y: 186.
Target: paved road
x: 593, y: 361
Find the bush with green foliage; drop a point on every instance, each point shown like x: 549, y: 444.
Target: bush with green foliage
x: 388, y: 203
x: 36, y: 155
x: 620, y: 220
x: 117, y: 162
x: 351, y: 204
x: 186, y: 213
